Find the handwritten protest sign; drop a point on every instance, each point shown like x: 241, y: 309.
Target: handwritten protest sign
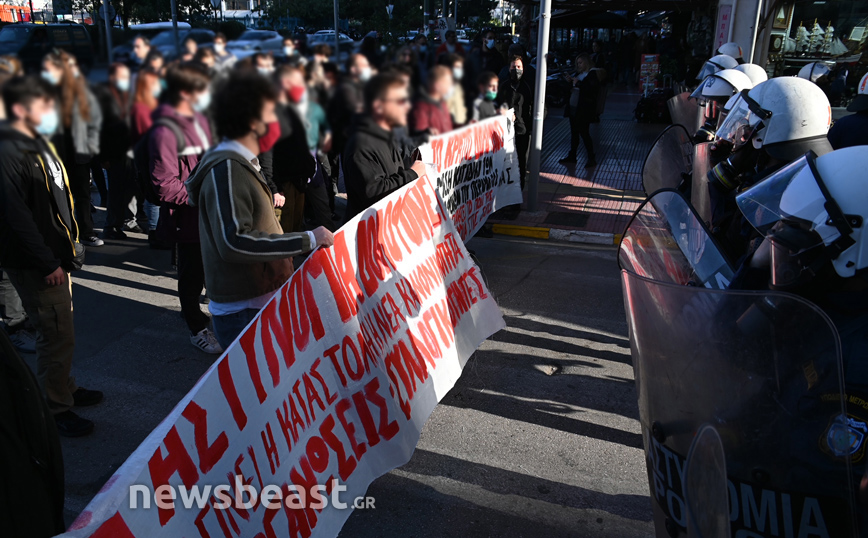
x: 327, y: 389
x: 476, y: 171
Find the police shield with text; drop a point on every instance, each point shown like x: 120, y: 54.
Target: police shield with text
x: 763, y: 367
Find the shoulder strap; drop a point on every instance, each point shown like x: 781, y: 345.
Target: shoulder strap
x: 172, y: 125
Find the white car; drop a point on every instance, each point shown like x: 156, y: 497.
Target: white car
x: 253, y: 41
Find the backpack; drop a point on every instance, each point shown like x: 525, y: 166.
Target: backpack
x: 142, y: 154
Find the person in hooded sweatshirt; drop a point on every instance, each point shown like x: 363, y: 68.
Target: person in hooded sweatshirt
x: 187, y: 96
x: 39, y: 242
x: 372, y: 163
x: 247, y: 255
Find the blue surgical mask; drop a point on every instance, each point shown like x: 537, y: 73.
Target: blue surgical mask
x: 50, y: 77
x: 490, y: 43
x: 122, y: 84
x: 48, y: 123
x: 202, y: 102
x: 163, y: 84
x: 423, y: 48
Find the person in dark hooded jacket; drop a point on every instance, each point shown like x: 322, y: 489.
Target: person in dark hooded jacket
x: 372, y: 163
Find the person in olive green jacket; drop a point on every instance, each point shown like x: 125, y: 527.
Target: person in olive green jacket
x: 247, y: 256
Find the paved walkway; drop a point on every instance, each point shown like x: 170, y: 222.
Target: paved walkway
x: 591, y: 205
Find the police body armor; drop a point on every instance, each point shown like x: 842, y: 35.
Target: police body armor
x: 763, y: 368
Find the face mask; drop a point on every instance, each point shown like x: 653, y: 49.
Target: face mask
x: 48, y: 123
x: 50, y: 77
x: 457, y: 73
x: 490, y: 96
x: 515, y: 74
x: 490, y: 43
x: 297, y: 94
x: 450, y: 93
x: 163, y: 84
x: 122, y: 84
x: 219, y: 48
x: 156, y: 91
x: 203, y: 101
x: 264, y: 71
x: 365, y: 74
x: 289, y: 51
x: 423, y: 48
x: 269, y: 139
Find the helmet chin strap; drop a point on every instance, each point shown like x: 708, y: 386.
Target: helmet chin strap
x: 837, y: 218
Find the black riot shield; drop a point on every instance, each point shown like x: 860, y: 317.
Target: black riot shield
x: 704, y: 197
x: 666, y: 241
x: 686, y: 112
x: 669, y: 161
x: 764, y: 368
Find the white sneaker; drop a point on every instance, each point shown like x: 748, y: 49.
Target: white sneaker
x: 205, y: 341
x: 24, y: 341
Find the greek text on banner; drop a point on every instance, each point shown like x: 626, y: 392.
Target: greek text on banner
x: 331, y: 383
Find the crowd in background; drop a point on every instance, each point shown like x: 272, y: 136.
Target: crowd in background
x: 138, y: 137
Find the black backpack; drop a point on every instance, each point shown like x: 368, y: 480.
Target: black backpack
x: 142, y: 153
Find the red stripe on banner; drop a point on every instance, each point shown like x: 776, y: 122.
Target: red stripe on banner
x: 114, y: 527
x: 227, y: 385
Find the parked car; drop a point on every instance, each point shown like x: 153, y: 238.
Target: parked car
x: 253, y: 41
x: 328, y: 37
x: 31, y: 42
x: 123, y: 52
x: 165, y: 41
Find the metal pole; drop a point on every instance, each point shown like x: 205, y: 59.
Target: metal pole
x: 175, y: 28
x: 108, y: 29
x: 759, y: 10
x: 337, y: 38
x: 542, y: 49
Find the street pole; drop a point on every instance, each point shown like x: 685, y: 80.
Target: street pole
x: 108, y: 29
x: 337, y: 38
x: 542, y: 49
x: 175, y: 28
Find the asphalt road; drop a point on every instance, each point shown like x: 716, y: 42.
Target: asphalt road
x: 540, y: 437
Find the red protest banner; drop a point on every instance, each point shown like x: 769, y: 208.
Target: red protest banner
x: 327, y: 389
x: 475, y: 169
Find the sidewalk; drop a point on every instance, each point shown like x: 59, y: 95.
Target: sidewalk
x: 595, y: 205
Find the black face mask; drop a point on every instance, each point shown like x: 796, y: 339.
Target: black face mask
x: 515, y: 74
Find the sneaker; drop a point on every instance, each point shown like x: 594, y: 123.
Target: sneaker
x: 71, y: 425
x: 205, y: 341
x: 113, y: 233
x: 84, y: 397
x: 132, y: 227
x: 23, y: 341
x: 92, y: 241
x: 568, y: 160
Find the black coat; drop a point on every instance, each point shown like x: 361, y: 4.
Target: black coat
x: 115, y: 138
x: 589, y: 95
x: 37, y: 227
x: 373, y: 166
x: 346, y: 104
x: 512, y: 94
x: 289, y: 161
x: 32, y: 489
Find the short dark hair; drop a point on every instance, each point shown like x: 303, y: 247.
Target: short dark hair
x: 220, y: 35
x: 190, y: 38
x: 379, y: 86
x: 322, y: 50
x: 450, y: 60
x: 115, y: 67
x: 516, y: 58
x: 485, y: 78
x: 401, y: 69
x: 188, y: 77
x: 419, y: 36
x: 239, y: 101
x: 259, y: 55
x: 24, y: 90
x: 330, y: 67
x: 144, y: 39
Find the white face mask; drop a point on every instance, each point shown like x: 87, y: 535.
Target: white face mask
x: 219, y: 48
x: 365, y: 74
x: 289, y: 51
x: 457, y: 73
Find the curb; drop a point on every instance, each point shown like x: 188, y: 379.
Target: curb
x: 557, y: 234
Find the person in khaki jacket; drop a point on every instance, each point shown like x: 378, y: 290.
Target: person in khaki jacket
x: 246, y: 255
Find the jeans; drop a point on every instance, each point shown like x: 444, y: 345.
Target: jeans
x: 11, y: 310
x: 227, y: 328
x: 191, y: 282
x: 50, y: 311
x: 153, y: 213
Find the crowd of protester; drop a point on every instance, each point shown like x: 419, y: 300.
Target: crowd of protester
x: 159, y: 141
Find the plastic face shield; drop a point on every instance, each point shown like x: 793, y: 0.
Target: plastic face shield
x: 742, y: 121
